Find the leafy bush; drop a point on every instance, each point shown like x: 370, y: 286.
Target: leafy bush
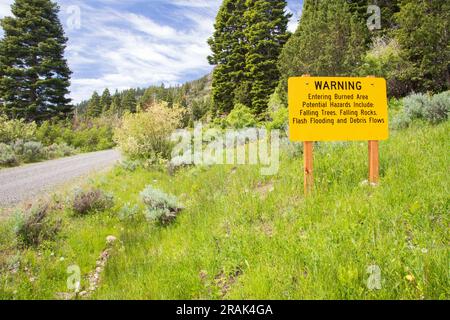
x: 280, y: 119
x: 161, y: 207
x: 146, y: 135
x: 30, y: 151
x: 7, y: 156
x: 12, y: 130
x: 241, y: 117
x: 35, y: 226
x: 93, y: 200
x: 90, y: 135
x: 438, y: 108
x: 384, y: 60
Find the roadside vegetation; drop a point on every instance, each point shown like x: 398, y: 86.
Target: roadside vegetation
x: 27, y: 142
x: 147, y: 230
x: 226, y: 232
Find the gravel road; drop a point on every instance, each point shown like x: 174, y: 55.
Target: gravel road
x: 23, y: 183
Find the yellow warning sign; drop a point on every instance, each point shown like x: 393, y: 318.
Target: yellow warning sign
x: 338, y: 109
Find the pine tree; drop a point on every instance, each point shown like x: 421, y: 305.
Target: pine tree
x: 424, y: 37
x: 94, y: 108
x: 229, y: 50
x: 129, y: 102
x: 116, y: 107
x: 266, y: 34
x: 331, y: 40
x: 105, y: 101
x: 34, y: 76
x: 388, y: 10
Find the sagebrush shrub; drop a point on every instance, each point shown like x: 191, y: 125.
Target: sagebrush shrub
x: 416, y: 105
x: 59, y: 150
x: 7, y: 156
x: 93, y: 200
x: 29, y: 151
x: 130, y: 165
x: 128, y: 212
x: 36, y: 225
x: 401, y: 121
x: 146, y: 135
x: 161, y: 207
x: 438, y: 108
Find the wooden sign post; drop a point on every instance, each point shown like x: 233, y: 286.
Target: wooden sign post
x: 308, y: 161
x: 374, y: 160
x: 308, y: 149
x: 338, y: 109
x: 374, y: 155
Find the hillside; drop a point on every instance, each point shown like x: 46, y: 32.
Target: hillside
x: 244, y: 236
x: 193, y: 95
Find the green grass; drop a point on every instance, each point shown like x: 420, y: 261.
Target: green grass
x: 238, y: 239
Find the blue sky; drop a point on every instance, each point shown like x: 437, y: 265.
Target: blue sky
x: 123, y: 44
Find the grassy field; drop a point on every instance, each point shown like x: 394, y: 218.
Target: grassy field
x: 245, y: 236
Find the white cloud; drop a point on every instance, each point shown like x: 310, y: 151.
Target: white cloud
x: 5, y: 10
x: 5, y: 7
x: 120, y: 49
x: 293, y: 23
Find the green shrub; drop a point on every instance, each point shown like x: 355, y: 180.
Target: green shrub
x: 241, y: 117
x: 12, y: 130
x: 161, y: 207
x: 146, y: 135
x: 93, y: 200
x: 7, y: 156
x: 35, y: 226
x: 438, y: 108
x: 384, y: 60
x: 90, y: 135
x: 280, y: 119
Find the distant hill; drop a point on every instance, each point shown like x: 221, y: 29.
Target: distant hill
x: 193, y: 95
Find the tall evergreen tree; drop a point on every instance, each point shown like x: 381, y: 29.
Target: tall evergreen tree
x: 116, y: 107
x: 94, y: 108
x: 388, y: 10
x: 129, y: 102
x: 266, y: 34
x: 105, y: 101
x: 424, y: 37
x: 229, y: 50
x: 329, y: 41
x: 34, y: 76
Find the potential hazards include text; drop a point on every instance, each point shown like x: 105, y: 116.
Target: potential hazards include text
x: 337, y: 109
